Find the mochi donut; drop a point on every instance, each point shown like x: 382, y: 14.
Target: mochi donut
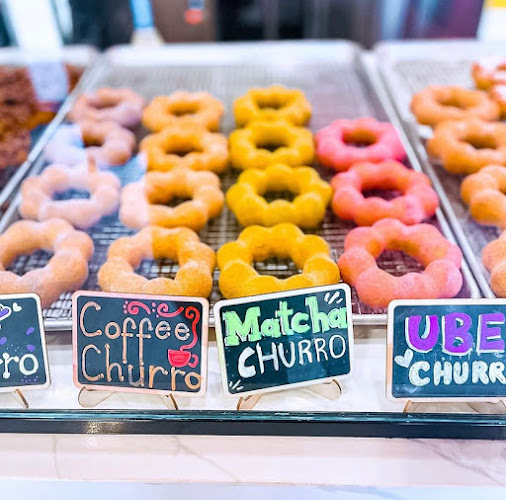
x: 494, y: 259
x: 346, y: 142
x: 37, y: 195
x: 417, y: 201
x: 484, y: 193
x: 107, y: 143
x: 272, y: 103
x: 66, y: 270
x: 466, y: 146
x: 377, y: 288
x: 145, y: 202
x: 181, y: 108
x: 195, y: 260
x: 439, y: 103
x: 310, y: 253
x: 120, y: 105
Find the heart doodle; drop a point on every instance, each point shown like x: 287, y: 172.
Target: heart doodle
x: 3, y: 340
x: 30, y: 347
x: 30, y: 330
x: 16, y: 307
x: 5, y: 312
x: 405, y: 360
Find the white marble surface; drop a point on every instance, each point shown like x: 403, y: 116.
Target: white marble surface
x: 84, y: 491
x: 375, y: 463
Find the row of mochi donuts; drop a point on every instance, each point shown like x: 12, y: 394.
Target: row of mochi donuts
x: 270, y: 120
x: 469, y: 139
x: 373, y: 163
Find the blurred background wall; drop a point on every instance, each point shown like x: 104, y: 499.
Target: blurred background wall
x: 109, y: 22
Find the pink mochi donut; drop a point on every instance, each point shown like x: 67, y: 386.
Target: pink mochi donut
x: 346, y: 142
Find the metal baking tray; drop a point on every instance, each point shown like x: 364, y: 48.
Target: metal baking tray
x: 77, y: 55
x: 409, y: 67
x: 336, y: 82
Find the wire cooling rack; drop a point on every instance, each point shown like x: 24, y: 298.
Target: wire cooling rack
x: 335, y: 83
x: 409, y: 68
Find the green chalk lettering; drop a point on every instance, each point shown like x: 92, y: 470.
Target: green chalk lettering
x: 237, y: 331
x: 337, y: 318
x: 284, y: 313
x: 270, y: 328
x: 317, y: 317
x: 299, y: 322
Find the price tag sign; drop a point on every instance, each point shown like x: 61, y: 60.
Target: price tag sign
x: 446, y: 349
x: 23, y: 354
x: 140, y: 343
x: 284, y: 340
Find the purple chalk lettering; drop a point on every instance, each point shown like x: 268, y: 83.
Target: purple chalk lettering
x: 456, y: 337
x: 426, y: 341
x: 489, y: 337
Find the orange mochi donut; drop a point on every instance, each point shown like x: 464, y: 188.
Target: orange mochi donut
x: 181, y: 108
x: 465, y: 146
x: 195, y: 260
x: 417, y: 201
x: 37, y: 195
x: 438, y: 103
x: 145, y: 202
x: 494, y: 259
x: 377, y: 288
x: 310, y: 253
x: 189, y: 147
x: 488, y: 72
x: 484, y: 192
x: 66, y: 270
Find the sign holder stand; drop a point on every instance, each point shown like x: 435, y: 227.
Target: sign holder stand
x: 19, y: 397
x: 330, y: 390
x: 483, y: 407
x: 89, y: 398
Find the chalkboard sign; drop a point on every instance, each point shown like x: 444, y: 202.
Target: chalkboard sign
x: 23, y: 355
x: 145, y: 343
x: 287, y: 339
x: 446, y: 349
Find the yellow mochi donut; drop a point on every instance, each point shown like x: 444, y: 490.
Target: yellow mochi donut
x: 246, y: 197
x: 263, y: 143
x: 310, y: 253
x: 272, y: 103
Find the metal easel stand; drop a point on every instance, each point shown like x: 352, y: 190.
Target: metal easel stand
x: 456, y: 407
x: 330, y: 390
x: 89, y: 398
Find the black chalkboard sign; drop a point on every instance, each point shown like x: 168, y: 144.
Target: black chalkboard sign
x: 287, y: 339
x: 23, y: 355
x: 446, y: 349
x: 155, y: 344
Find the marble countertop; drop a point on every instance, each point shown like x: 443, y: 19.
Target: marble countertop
x: 368, y: 462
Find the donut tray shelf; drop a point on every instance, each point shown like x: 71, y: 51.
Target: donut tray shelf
x: 409, y: 67
x: 77, y: 55
x: 337, y: 80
